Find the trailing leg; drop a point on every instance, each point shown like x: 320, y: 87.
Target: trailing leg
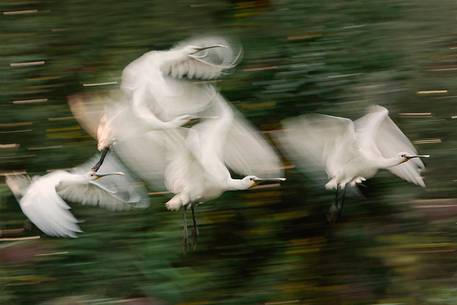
x: 333, y: 210
x: 340, y: 207
x: 195, y: 231
x: 185, y: 231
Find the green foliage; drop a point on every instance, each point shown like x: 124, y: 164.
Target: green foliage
x: 261, y: 246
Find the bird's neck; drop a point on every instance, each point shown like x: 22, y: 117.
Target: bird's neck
x: 237, y: 185
x: 388, y: 162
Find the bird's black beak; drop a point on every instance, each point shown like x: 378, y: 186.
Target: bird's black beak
x: 261, y: 180
x: 97, y: 166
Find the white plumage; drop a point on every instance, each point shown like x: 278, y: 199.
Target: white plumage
x: 43, y: 199
x: 350, y: 152
x: 144, y: 125
x: 158, y: 97
x: 159, y: 83
x: 191, y: 162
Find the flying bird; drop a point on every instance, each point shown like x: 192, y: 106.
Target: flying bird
x: 44, y: 200
x: 168, y: 88
x: 192, y: 163
x: 351, y: 152
x: 160, y: 92
x: 165, y: 89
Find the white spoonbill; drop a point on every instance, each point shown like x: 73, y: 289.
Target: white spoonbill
x: 43, y: 199
x: 192, y: 162
x: 165, y: 88
x: 351, y: 152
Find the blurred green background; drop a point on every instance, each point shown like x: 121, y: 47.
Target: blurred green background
x: 267, y: 246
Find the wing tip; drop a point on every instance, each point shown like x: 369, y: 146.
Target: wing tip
x: 421, y: 182
x: 378, y: 108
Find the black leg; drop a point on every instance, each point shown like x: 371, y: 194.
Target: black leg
x: 185, y: 233
x: 195, y: 232
x: 332, y: 213
x: 340, y: 208
x: 194, y: 220
x: 102, y: 158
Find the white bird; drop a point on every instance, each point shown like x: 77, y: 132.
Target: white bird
x: 44, y: 199
x: 191, y: 163
x: 351, y: 152
x: 165, y: 88
x: 158, y: 97
x: 161, y: 89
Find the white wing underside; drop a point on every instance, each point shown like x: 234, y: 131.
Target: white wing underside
x: 146, y: 155
x: 318, y: 143
x: 378, y: 135
x: 92, y: 193
x: 113, y: 192
x: 247, y: 152
x: 229, y: 141
x: 44, y: 201
x: 46, y: 209
x: 88, y: 111
x: 144, y: 152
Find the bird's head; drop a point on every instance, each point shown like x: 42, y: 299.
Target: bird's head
x: 104, y: 133
x: 404, y: 156
x: 251, y: 181
x: 95, y: 176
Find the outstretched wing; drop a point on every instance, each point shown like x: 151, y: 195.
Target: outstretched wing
x: 95, y: 114
x: 114, y: 192
x: 43, y: 206
x: 378, y: 134
x: 88, y: 111
x: 142, y: 151
x: 248, y: 153
x: 205, y: 64
x: 318, y: 143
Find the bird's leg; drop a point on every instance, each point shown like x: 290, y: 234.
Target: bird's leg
x: 97, y: 166
x: 185, y: 233
x: 195, y: 232
x: 331, y: 214
x: 340, y: 208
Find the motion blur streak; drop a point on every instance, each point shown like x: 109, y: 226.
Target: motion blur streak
x: 395, y: 242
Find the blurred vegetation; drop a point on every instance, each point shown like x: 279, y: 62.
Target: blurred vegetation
x: 267, y: 246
